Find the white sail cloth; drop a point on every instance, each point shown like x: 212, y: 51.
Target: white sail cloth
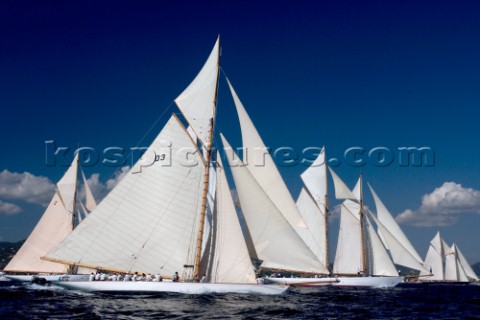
x: 149, y: 221
x: 261, y: 166
x: 197, y: 101
x: 231, y: 263
x: 276, y: 242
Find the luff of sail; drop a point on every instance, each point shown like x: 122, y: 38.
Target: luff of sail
x: 231, y: 262
x: 54, y: 225
x: 402, y: 251
x: 312, y: 205
x: 263, y: 169
x: 149, y: 221
x: 276, y: 242
x: 197, y: 101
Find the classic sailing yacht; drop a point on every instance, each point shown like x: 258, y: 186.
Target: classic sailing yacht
x: 155, y: 219
x: 447, y: 264
x: 56, y: 223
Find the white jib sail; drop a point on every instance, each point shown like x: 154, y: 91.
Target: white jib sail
x: 402, y: 250
x: 315, y: 235
x: 67, y: 186
x: 315, y: 180
x: 149, y: 221
x: 341, y: 189
x: 53, y: 227
x: 434, y: 259
x: 349, y: 258
x: 260, y: 164
x: 400, y: 254
x: 274, y: 239
x: 197, y: 101
x: 465, y: 265
x: 231, y: 262
x: 90, y: 202
x: 381, y: 264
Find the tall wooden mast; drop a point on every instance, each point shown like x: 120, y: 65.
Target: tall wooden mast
x: 208, y: 147
x: 362, y: 228
x: 327, y: 253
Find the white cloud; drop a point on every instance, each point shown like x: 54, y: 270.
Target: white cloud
x: 26, y: 186
x: 100, y: 189
x: 443, y: 206
x: 9, y: 208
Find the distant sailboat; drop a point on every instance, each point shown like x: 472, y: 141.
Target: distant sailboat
x: 156, y: 219
x: 447, y: 264
x: 56, y: 223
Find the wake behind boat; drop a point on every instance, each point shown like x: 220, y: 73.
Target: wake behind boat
x: 175, y: 287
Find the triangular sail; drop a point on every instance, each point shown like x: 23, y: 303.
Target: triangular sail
x: 149, y: 221
x: 403, y: 252
x: 465, y: 265
x: 90, y: 202
x: 341, y: 189
x: 67, y: 186
x: 400, y: 254
x: 434, y: 259
x: 52, y: 228
x: 54, y: 225
x: 348, y: 258
x: 231, y: 261
x: 197, y: 101
x: 380, y: 262
x: 260, y: 164
x: 315, y: 235
x: 274, y: 239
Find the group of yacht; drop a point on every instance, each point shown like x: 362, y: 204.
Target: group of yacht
x: 168, y: 216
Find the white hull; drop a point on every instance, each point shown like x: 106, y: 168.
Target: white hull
x: 176, y: 287
x: 302, y: 282
x: 372, y: 282
x: 49, y: 278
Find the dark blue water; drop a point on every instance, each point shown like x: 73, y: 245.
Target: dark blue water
x: 421, y: 302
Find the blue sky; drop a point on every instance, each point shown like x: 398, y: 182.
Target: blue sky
x: 310, y: 73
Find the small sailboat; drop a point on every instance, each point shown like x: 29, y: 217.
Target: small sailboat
x: 172, y: 212
x: 58, y: 221
x: 447, y: 265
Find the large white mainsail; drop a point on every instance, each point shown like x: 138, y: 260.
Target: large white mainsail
x: 434, y: 259
x: 453, y: 269
x: 261, y: 166
x: 348, y: 257
x: 149, y: 221
x: 402, y: 251
x: 54, y: 225
x: 276, y: 242
x: 231, y: 262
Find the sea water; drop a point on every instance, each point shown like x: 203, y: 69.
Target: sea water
x: 417, y: 302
